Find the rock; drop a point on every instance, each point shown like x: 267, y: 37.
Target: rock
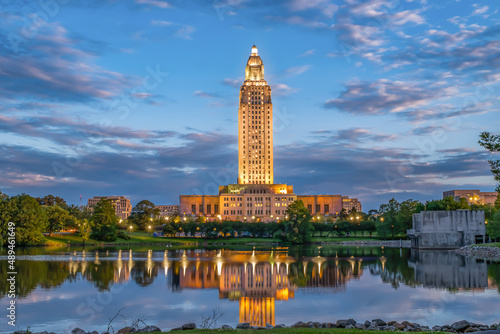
x: 226, y: 327
x: 280, y: 326
x: 188, y: 326
x: 373, y: 327
x: 243, y: 325
x: 437, y: 328
x: 460, y: 326
x: 149, y: 329
x: 45, y: 332
x: 345, y: 323
x: 299, y: 324
x: 359, y: 326
x: 349, y: 327
x: 399, y: 326
x: 390, y: 328
x: 126, y: 330
x: 316, y: 324
x: 390, y: 323
x: 471, y: 329
x: 78, y: 331
x: 328, y: 325
x: 406, y: 323
x: 269, y: 326
x: 93, y: 332
x: 379, y: 322
x: 176, y: 329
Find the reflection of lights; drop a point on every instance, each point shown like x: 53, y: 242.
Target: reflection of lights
x: 383, y: 259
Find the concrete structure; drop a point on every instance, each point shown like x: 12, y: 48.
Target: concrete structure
x: 255, y: 125
x: 167, y: 210
x: 447, y: 229
x: 123, y: 208
x: 472, y: 196
x: 255, y: 197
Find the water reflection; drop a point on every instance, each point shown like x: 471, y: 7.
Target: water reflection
x: 255, y: 279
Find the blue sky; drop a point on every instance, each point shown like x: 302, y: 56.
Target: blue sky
x: 372, y: 99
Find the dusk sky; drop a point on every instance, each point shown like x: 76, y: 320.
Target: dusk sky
x: 372, y: 99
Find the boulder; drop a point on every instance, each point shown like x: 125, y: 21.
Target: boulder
x: 78, y: 331
x: 149, y: 329
x: 93, y: 332
x: 269, y: 326
x: 176, y: 329
x: 437, y: 328
x: 345, y: 322
x: 300, y: 324
x: 188, y: 326
x: 379, y: 322
x: 226, y: 327
x: 243, y: 325
x: 359, y: 326
x: 390, y: 328
x: 460, y: 326
x: 126, y: 330
x: 390, y: 323
x: 367, y: 323
x: 398, y: 326
x: 349, y: 327
x: 471, y: 329
x: 328, y: 325
x: 280, y: 326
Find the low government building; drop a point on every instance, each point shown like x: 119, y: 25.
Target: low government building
x: 255, y: 196
x: 472, y: 196
x: 447, y: 229
x: 167, y: 210
x: 123, y: 208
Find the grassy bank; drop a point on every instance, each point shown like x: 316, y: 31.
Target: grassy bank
x: 143, y: 238
x: 494, y: 244
x: 294, y: 331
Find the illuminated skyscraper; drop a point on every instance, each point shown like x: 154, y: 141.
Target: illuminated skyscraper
x: 255, y: 125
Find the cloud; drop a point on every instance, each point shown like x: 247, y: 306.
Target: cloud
x: 236, y: 83
x: 407, y: 16
x: 161, y: 23
x: 282, y: 90
x: 299, y: 20
x: 308, y: 53
x: 185, y: 32
x: 205, y: 94
x: 293, y: 71
x: 154, y: 3
x: 324, y: 6
x: 359, y: 135
x: 53, y: 67
x: 480, y: 10
x: 382, y: 96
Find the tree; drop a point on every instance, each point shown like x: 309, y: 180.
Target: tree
x: 104, y: 221
x: 492, y: 143
x: 57, y: 218
x: 143, y: 213
x: 298, y: 229
x: 493, y: 226
x: 404, y: 218
x: 51, y: 200
x: 389, y: 212
x: 85, y: 229
x: 27, y: 215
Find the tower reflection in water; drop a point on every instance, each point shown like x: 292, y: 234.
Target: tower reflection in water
x: 255, y: 279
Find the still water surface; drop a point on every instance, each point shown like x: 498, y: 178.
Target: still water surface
x: 62, y: 289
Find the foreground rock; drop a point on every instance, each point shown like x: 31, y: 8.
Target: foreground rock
x: 485, y: 253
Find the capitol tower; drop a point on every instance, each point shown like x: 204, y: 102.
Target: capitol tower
x: 255, y: 125
x: 255, y: 197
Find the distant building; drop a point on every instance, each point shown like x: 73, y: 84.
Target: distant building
x: 472, y: 196
x: 123, y: 208
x: 167, y: 210
x: 256, y: 197
x: 447, y: 229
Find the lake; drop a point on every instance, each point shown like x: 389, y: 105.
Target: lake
x: 60, y: 289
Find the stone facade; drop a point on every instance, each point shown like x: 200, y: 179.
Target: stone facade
x: 447, y: 229
x: 167, y: 210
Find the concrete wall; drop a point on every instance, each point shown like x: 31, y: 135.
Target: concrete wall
x: 447, y: 229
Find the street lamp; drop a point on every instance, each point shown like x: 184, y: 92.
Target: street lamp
x: 130, y: 230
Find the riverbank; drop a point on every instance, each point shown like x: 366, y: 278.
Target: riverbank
x: 345, y: 326
x: 143, y: 238
x: 489, y: 252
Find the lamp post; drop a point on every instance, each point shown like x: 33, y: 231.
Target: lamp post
x: 130, y: 230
